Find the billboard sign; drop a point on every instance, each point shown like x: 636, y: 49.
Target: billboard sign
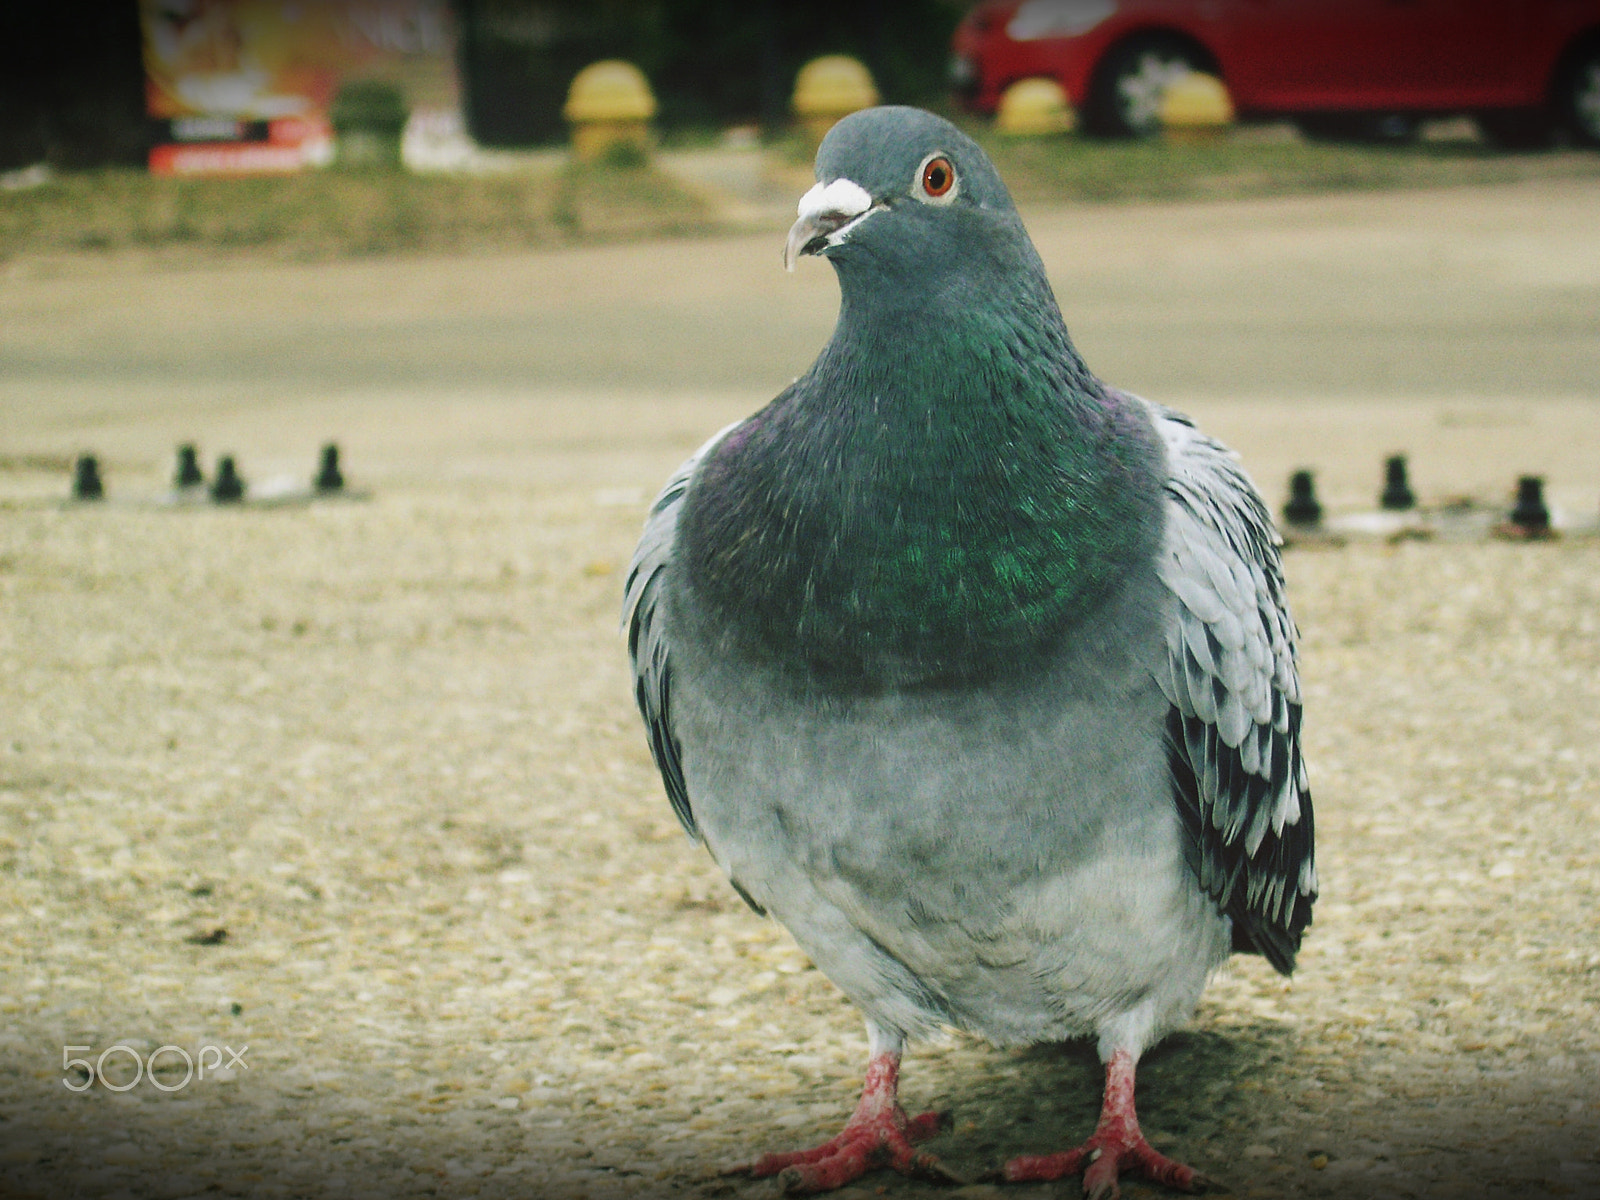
x: 244, y: 86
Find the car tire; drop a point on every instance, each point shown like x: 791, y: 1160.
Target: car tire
x: 1517, y: 128
x: 1578, y: 96
x: 1125, y: 96
x: 1373, y: 129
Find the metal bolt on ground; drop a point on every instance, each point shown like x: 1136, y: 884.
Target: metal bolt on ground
x: 1397, y: 494
x: 228, y: 488
x: 188, y: 473
x: 1530, y: 515
x: 1303, y: 508
x: 329, y: 477
x: 86, y: 482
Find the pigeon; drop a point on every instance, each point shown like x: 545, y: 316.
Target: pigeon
x: 972, y: 670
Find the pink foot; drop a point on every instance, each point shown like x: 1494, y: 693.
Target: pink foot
x: 1115, y: 1147
x: 879, y: 1134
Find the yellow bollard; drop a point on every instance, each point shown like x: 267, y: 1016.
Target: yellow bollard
x: 610, y: 107
x: 1035, y: 107
x: 1195, y: 107
x: 828, y: 88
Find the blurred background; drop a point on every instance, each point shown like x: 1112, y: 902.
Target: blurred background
x: 154, y: 134
x: 1442, y: 154
x: 1076, y: 99
x: 334, y: 756
x: 74, y: 88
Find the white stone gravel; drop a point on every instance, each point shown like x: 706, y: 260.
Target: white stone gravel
x: 388, y: 747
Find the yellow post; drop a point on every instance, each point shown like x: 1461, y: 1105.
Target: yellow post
x: 828, y: 88
x: 610, y: 107
x: 1195, y: 107
x: 1035, y: 107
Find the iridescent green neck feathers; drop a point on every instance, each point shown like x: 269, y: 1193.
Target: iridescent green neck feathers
x: 925, y: 505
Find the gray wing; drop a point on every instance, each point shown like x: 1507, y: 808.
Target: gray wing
x: 1234, y: 724
x: 647, y: 642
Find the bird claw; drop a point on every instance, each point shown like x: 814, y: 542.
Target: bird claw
x: 1102, y: 1160
x: 886, y: 1140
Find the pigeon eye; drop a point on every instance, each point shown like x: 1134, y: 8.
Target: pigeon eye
x: 938, y: 177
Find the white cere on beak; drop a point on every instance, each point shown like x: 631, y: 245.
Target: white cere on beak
x: 827, y: 212
x: 844, y: 197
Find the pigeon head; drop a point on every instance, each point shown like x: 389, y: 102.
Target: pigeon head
x: 904, y: 199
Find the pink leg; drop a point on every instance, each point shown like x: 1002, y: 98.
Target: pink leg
x: 1115, y: 1146
x: 879, y: 1134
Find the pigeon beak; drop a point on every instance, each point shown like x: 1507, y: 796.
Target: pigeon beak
x: 828, y: 212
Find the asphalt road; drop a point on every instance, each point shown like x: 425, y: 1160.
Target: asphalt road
x: 1472, y: 292
x: 1459, y: 297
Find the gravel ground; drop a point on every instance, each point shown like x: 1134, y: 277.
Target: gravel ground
x: 387, y: 746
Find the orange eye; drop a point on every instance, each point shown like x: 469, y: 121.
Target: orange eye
x: 938, y: 177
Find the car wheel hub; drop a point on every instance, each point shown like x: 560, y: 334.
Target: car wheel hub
x: 1140, y: 90
x: 1586, y: 98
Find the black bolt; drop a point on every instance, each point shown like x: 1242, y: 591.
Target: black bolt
x: 329, y: 479
x: 1397, y: 494
x: 188, y: 473
x: 229, y: 488
x: 1530, y: 514
x: 1302, y: 508
x: 86, y: 484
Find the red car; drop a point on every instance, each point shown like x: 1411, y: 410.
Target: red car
x: 1338, y: 67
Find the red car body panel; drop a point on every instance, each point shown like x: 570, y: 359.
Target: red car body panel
x: 1289, y: 56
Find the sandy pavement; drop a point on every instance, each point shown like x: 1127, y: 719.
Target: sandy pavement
x: 388, y: 745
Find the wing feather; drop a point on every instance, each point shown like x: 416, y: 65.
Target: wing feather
x: 648, y: 646
x: 1234, y: 727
